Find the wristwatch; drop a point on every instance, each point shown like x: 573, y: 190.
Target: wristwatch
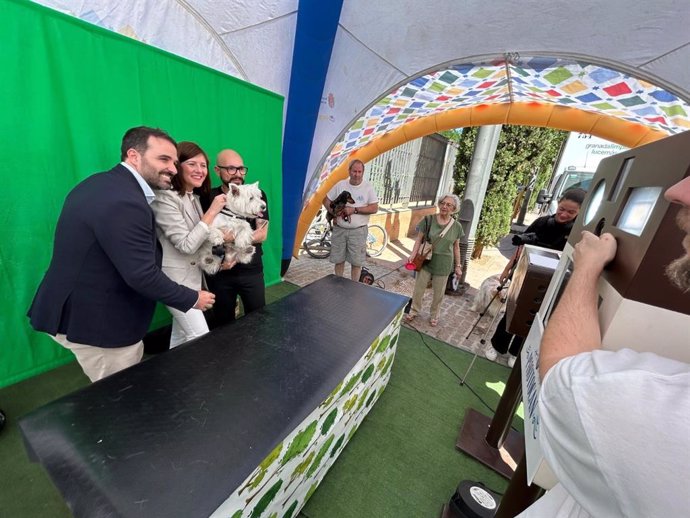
x: 356, y: 211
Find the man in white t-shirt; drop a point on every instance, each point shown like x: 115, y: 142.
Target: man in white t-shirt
x: 615, y: 425
x: 349, y: 238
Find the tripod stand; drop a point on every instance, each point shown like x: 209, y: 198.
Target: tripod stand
x: 506, y: 277
x: 482, y: 340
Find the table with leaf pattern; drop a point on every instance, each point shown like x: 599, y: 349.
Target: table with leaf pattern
x: 241, y: 423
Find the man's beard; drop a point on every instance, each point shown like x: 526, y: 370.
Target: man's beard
x: 155, y: 178
x: 678, y: 272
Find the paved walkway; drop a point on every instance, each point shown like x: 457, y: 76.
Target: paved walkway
x: 456, y: 318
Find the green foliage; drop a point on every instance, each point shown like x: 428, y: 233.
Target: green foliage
x: 328, y: 422
x: 311, y: 491
x: 352, y: 432
x: 521, y: 151
x: 362, y: 399
x: 372, y: 349
x: 317, y: 461
x: 453, y: 135
x: 299, y: 443
x: 268, y: 497
x: 337, y: 446
x: 330, y: 398
x: 388, y: 364
x: 302, y: 467
x: 291, y: 510
x: 351, y: 383
x: 256, y: 481
x: 371, y: 398
x: 271, y: 457
x: 463, y: 160
x: 384, y: 344
x: 265, y: 464
x: 238, y: 514
x: 350, y: 403
x: 367, y: 373
x: 381, y: 365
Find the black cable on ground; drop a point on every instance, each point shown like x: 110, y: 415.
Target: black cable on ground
x: 421, y: 335
x: 465, y: 384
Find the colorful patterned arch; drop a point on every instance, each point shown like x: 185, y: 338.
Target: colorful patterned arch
x: 536, y: 91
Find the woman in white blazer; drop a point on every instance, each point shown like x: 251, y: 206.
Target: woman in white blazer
x: 182, y: 228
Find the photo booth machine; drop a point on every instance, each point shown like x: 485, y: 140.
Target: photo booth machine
x: 638, y: 306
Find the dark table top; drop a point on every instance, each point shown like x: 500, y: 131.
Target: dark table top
x: 175, y: 435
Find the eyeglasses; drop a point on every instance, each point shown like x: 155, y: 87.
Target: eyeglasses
x: 234, y: 169
x: 446, y: 204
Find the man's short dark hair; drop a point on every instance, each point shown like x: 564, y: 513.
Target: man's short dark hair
x: 137, y: 138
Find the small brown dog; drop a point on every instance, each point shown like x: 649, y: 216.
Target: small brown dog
x: 338, y: 205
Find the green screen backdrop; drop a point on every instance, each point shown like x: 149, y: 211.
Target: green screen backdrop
x: 69, y: 92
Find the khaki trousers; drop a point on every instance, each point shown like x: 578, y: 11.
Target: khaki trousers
x: 438, y: 287
x: 99, y: 362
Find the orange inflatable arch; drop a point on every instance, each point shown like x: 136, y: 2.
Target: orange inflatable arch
x: 625, y: 133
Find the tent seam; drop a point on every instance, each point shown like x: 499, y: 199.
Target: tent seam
x: 215, y: 35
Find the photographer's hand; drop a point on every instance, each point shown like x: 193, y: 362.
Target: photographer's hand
x: 574, y: 325
x: 593, y: 253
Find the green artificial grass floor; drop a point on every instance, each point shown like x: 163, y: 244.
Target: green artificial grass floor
x: 401, y: 463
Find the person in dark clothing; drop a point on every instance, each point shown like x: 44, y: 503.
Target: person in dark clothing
x: 553, y: 231
x: 548, y: 232
x: 243, y: 280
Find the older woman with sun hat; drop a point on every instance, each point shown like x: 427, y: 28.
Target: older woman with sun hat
x: 444, y: 233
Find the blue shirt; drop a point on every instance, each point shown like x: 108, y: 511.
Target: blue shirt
x: 148, y: 192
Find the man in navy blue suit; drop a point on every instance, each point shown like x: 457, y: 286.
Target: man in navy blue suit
x: 99, y: 293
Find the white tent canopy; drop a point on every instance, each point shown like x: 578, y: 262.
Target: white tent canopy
x: 627, y: 60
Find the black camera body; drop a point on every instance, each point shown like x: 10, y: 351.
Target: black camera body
x: 525, y: 239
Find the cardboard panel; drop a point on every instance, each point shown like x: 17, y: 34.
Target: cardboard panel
x: 637, y: 272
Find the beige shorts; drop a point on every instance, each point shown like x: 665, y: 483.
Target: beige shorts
x: 349, y: 245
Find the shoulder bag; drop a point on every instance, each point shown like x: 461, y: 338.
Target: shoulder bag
x: 426, y: 248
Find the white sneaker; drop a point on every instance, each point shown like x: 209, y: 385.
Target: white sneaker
x: 511, y: 362
x: 491, y: 353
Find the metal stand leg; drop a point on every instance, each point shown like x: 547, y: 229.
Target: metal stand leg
x: 482, y: 341
x: 500, y: 424
x: 519, y: 496
x: 491, y: 441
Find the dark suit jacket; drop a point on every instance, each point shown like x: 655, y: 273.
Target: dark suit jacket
x: 104, y: 278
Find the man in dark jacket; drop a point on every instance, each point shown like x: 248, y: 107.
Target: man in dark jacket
x: 99, y: 293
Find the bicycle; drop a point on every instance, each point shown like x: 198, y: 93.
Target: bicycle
x: 317, y: 242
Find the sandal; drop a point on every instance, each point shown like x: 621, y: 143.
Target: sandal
x: 433, y: 322
x: 409, y: 317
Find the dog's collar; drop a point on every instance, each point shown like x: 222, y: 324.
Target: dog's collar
x: 231, y: 214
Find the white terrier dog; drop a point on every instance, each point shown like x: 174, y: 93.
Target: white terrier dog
x: 486, y: 292
x: 243, y: 202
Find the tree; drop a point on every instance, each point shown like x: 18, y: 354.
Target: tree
x: 521, y: 150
